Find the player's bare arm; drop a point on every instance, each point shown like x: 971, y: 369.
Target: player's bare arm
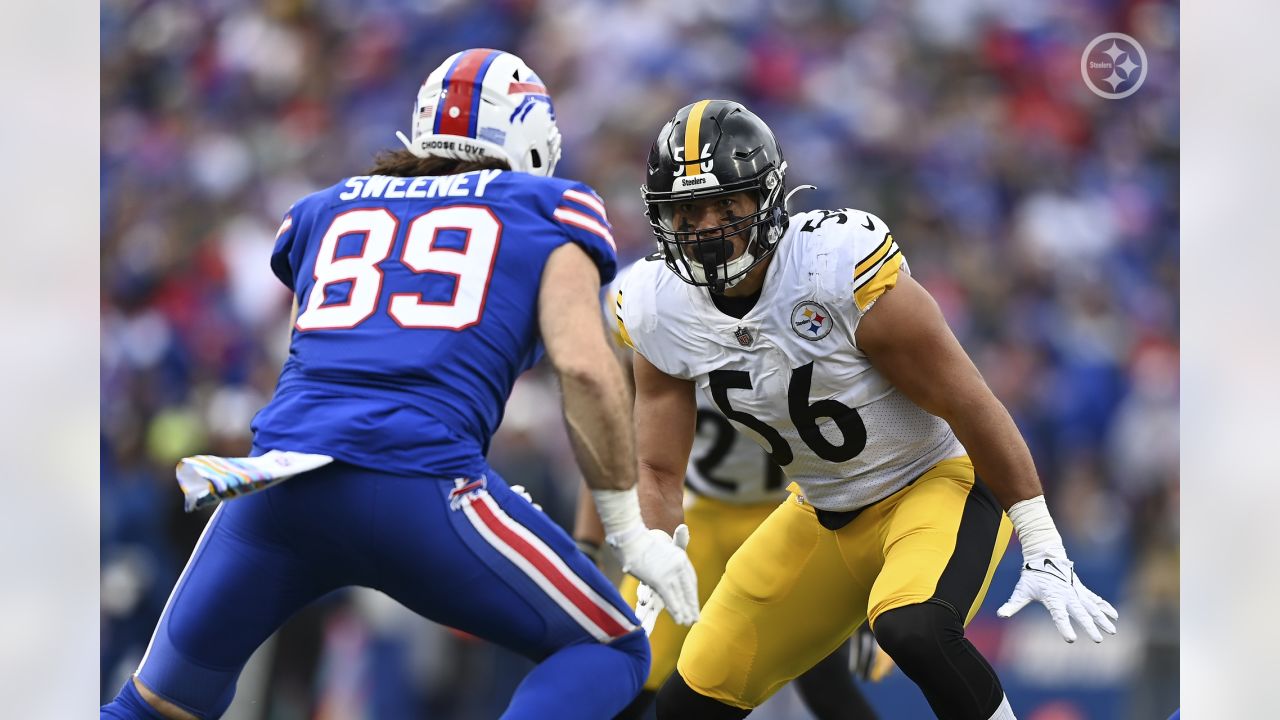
x: 909, y: 342
x: 588, y: 533
x: 907, y: 339
x: 595, y: 392
x: 596, y: 399
x: 665, y: 415
x: 587, y: 530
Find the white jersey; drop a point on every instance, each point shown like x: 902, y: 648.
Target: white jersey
x: 789, y: 374
x: 723, y: 464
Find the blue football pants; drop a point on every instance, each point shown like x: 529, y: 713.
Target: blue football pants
x: 472, y: 555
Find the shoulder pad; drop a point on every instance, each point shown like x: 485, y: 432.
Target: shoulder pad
x: 866, y: 257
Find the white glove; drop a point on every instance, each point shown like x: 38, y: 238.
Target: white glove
x: 522, y: 492
x: 649, y: 604
x: 660, y: 562
x: 1050, y: 578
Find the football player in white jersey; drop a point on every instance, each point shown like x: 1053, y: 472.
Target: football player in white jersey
x: 733, y: 485
x: 809, y: 333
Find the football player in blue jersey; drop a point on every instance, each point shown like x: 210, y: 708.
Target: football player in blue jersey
x: 424, y: 289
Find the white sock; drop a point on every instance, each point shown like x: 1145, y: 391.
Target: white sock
x: 1004, y: 712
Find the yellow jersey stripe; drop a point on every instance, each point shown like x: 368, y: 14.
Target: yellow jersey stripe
x: 620, y: 336
x: 869, y: 261
x: 880, y: 258
x: 875, y: 285
x: 692, y: 138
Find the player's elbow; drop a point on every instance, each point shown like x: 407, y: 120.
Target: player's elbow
x: 588, y: 374
x: 981, y: 425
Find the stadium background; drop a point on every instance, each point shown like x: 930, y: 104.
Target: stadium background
x: 1043, y: 218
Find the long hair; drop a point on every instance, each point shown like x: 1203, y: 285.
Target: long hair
x: 402, y: 163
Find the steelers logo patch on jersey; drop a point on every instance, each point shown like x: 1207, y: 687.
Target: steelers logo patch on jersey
x: 810, y: 320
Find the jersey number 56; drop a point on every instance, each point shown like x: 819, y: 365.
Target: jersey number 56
x: 804, y: 415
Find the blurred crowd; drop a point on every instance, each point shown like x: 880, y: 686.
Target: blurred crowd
x: 1043, y: 218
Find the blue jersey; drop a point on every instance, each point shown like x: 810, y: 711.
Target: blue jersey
x: 417, y: 310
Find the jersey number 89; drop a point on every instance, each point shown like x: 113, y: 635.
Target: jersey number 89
x: 472, y: 267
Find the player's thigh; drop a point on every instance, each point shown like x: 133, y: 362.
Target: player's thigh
x: 489, y: 563
x: 943, y: 537
x: 787, y: 600
x: 244, y: 579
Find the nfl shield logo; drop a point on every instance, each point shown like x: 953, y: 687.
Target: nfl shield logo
x: 744, y: 336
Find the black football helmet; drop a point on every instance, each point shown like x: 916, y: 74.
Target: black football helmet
x: 713, y: 148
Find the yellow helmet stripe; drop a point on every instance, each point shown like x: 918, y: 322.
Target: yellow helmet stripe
x: 692, y: 141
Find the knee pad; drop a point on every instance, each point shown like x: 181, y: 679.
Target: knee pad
x: 927, y: 641
x: 917, y: 633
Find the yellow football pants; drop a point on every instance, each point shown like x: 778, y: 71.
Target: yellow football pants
x: 716, y: 530
x: 795, y: 590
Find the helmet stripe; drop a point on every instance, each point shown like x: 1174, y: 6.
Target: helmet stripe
x: 444, y: 85
x: 692, y: 145
x: 457, y: 116
x: 474, y: 117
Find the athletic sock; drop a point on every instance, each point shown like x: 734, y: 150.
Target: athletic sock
x: 1004, y: 712
x: 129, y: 705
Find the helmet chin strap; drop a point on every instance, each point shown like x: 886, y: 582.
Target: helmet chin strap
x: 732, y: 268
x: 404, y: 139
x: 714, y: 257
x: 735, y: 266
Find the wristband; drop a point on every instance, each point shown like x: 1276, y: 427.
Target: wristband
x: 619, y: 514
x: 1035, y: 527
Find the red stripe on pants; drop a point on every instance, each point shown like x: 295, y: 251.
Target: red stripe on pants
x: 536, y: 558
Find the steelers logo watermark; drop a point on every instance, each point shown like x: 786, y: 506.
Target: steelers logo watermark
x: 1114, y: 66
x: 810, y: 320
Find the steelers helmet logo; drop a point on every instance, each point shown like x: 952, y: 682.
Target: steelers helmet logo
x: 810, y: 320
